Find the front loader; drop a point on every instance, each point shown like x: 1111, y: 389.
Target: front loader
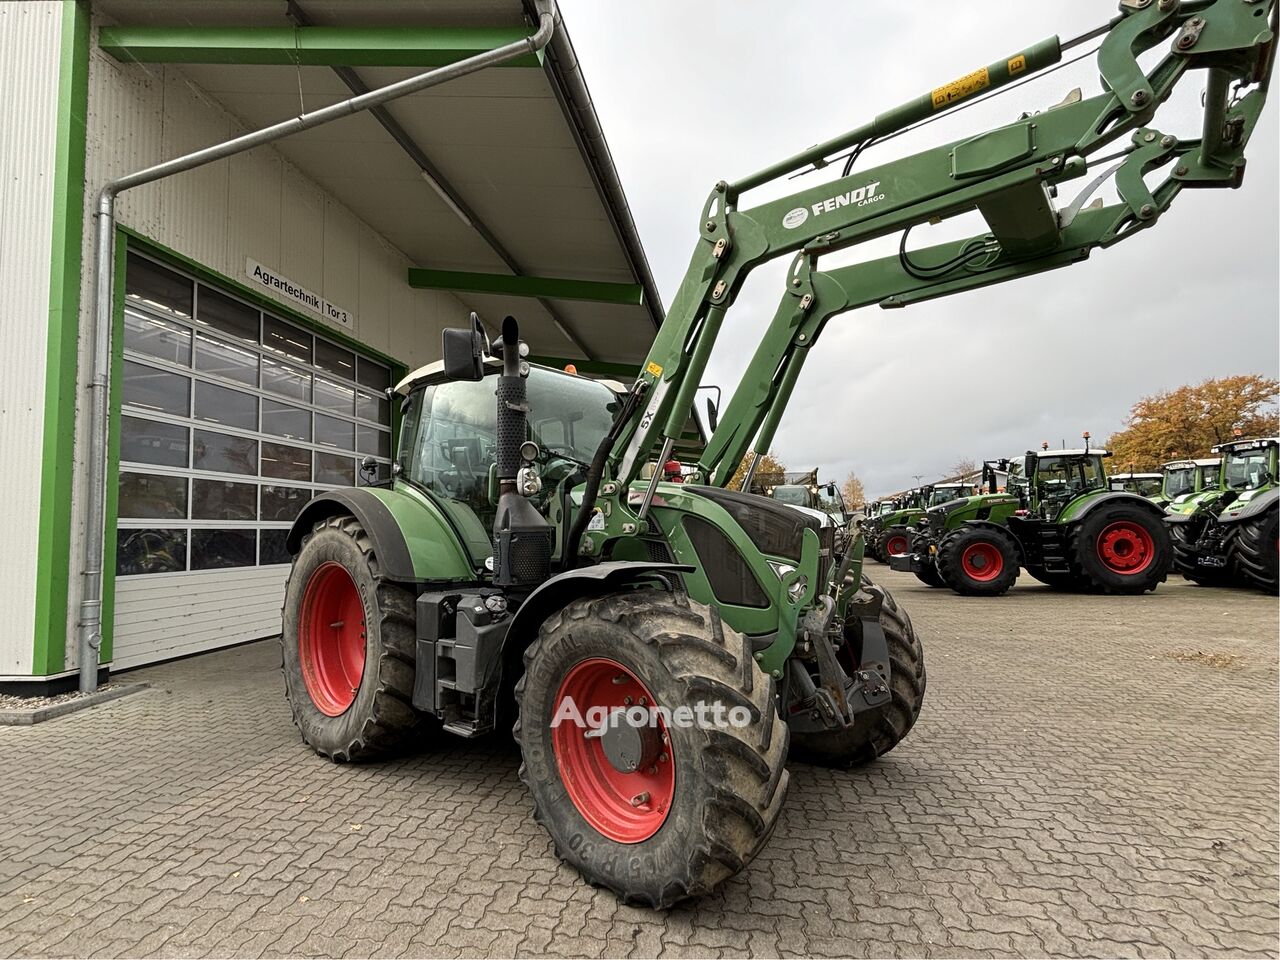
x: 1058, y: 519
x: 663, y: 648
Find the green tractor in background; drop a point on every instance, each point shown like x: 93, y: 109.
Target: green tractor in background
x: 887, y: 533
x: 1226, y: 534
x: 1057, y: 518
x: 518, y: 572
x: 1184, y: 478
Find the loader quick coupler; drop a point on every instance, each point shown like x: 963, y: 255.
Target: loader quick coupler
x: 835, y: 702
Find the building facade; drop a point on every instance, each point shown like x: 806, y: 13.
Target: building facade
x: 263, y: 303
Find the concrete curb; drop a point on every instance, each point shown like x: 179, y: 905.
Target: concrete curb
x: 25, y: 718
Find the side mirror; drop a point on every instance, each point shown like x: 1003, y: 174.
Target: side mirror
x: 464, y: 351
x: 1029, y: 465
x: 713, y: 415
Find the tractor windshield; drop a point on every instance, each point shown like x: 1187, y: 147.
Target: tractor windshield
x: 794, y: 495
x: 449, y: 437
x: 1064, y: 478
x: 1246, y: 469
x: 1179, y: 480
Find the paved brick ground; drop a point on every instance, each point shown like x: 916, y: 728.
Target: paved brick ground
x: 1089, y: 776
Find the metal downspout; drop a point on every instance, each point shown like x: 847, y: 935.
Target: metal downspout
x: 89, y: 634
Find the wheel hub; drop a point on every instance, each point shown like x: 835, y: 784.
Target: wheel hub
x: 1125, y: 547
x: 620, y: 776
x: 982, y: 561
x: 331, y: 639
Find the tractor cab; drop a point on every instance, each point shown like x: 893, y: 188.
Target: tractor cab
x: 946, y: 492
x: 1050, y: 480
x: 1183, y: 478
x: 1143, y: 484
x: 1248, y: 466
x: 449, y: 439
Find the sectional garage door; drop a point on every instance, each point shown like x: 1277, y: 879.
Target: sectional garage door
x: 231, y: 420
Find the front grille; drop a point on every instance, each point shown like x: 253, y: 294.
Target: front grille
x: 724, y: 566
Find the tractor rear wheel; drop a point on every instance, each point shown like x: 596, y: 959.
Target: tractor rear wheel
x: 1120, y: 548
x: 670, y: 808
x: 894, y: 542
x: 1256, y: 550
x: 875, y: 732
x: 978, y: 561
x: 347, y: 647
x: 1182, y: 538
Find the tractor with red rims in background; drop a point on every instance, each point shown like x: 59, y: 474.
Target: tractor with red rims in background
x: 517, y: 571
x: 1057, y: 518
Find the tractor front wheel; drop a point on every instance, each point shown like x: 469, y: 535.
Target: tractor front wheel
x: 1256, y: 550
x: 894, y: 542
x: 651, y: 743
x: 347, y: 647
x: 1120, y: 549
x: 978, y: 561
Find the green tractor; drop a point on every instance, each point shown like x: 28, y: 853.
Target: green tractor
x: 1227, y: 533
x: 1185, y: 478
x: 1058, y: 519
x: 887, y: 534
x: 661, y: 649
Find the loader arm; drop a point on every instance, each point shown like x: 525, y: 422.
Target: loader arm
x: 1006, y: 173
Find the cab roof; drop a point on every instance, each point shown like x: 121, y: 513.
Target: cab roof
x: 1257, y: 444
x: 1196, y: 462
x: 434, y: 371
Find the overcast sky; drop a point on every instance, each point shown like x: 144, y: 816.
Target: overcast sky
x: 690, y: 93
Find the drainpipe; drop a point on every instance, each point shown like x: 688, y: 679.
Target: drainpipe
x: 90, y: 626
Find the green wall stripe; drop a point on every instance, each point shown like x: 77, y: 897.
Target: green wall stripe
x: 53, y: 558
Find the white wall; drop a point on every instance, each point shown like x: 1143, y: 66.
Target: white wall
x: 30, y: 48
x: 254, y: 205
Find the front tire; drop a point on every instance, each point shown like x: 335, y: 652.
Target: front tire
x: 875, y: 732
x: 1256, y: 551
x: 702, y: 799
x: 978, y: 561
x: 347, y: 647
x: 895, y: 542
x: 1120, y: 548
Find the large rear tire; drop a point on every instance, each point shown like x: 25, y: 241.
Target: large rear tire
x: 978, y: 561
x: 1256, y: 550
x: 347, y: 647
x: 875, y: 732
x: 702, y: 798
x: 1120, y: 548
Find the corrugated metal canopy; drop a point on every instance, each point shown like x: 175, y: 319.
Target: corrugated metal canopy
x: 520, y: 146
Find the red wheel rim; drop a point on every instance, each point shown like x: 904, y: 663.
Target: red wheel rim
x: 982, y: 561
x: 1126, y: 548
x: 626, y: 807
x: 331, y: 639
x: 896, y: 546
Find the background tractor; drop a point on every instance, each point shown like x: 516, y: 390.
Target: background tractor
x: 1183, y: 478
x: 1149, y: 485
x: 888, y: 533
x: 1227, y: 533
x: 1058, y: 519
x: 518, y: 567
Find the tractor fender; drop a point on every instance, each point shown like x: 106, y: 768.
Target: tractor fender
x: 563, y: 588
x: 989, y: 525
x: 394, y: 521
x: 1074, y: 513
x: 1259, y: 504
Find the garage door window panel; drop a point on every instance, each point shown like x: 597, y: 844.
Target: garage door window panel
x: 224, y: 453
x: 221, y: 549
x: 150, y: 441
x: 226, y: 315
x: 231, y: 408
x: 223, y: 500
x: 283, y: 462
x: 149, y: 496
x: 157, y: 337
x: 157, y: 390
x: 226, y: 360
x: 150, y: 550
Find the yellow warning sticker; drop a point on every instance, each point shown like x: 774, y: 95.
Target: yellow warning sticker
x: 1017, y: 65
x: 653, y: 369
x: 966, y: 86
